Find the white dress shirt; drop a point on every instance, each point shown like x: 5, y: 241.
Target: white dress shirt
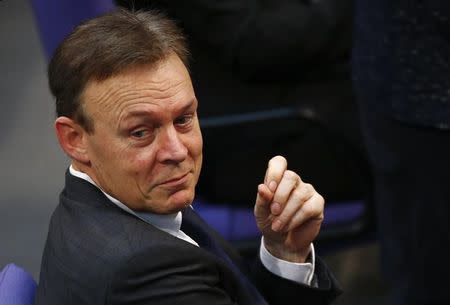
x: 171, y: 223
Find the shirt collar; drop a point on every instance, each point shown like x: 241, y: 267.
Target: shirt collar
x: 170, y: 223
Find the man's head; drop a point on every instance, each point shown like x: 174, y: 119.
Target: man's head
x: 127, y: 110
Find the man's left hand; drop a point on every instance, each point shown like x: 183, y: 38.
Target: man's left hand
x: 288, y: 212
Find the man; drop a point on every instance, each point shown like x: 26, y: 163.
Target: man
x: 124, y: 231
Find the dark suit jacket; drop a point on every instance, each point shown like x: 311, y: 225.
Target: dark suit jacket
x: 97, y: 253
x: 401, y: 65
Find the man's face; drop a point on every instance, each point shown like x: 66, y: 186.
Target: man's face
x: 146, y: 148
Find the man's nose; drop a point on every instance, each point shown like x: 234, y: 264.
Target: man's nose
x: 171, y: 147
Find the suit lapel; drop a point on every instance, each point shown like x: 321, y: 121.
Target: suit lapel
x: 197, y: 229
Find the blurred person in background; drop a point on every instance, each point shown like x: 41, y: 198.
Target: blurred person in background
x: 401, y: 65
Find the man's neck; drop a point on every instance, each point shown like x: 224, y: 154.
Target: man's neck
x: 168, y: 222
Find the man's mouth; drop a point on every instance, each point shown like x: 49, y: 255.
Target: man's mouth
x: 179, y: 180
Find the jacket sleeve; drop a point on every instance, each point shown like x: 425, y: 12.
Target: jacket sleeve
x: 157, y: 276
x: 277, y: 290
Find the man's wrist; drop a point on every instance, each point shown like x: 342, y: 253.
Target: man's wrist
x: 301, y: 273
x: 281, y: 252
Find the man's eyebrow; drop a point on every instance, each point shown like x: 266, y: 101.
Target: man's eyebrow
x: 146, y: 114
x: 191, y: 104
x: 150, y: 114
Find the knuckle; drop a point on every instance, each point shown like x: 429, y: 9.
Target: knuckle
x: 318, y: 208
x: 307, y: 211
x: 312, y: 210
x: 299, y: 194
x: 309, y: 187
x: 311, y: 191
x: 320, y: 217
x: 290, y: 175
x: 321, y: 199
x: 286, y: 217
x: 318, y: 200
x: 282, y: 219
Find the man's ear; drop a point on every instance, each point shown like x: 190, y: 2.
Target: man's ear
x: 72, y: 139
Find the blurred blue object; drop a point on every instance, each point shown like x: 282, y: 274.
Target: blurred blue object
x: 237, y: 223
x: 346, y: 224
x: 56, y: 18
x: 17, y: 287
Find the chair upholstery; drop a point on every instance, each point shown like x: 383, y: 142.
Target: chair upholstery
x: 17, y: 287
x: 346, y: 224
x: 237, y: 223
x: 55, y: 19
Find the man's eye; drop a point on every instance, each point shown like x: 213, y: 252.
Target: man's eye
x: 139, y: 133
x: 184, y: 120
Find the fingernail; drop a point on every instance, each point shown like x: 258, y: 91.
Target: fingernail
x: 259, y: 188
x: 272, y: 186
x: 277, y: 225
x: 275, y: 208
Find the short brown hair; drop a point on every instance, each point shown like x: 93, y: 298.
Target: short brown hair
x: 107, y: 46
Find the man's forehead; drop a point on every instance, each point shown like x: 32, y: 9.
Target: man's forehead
x: 166, y: 83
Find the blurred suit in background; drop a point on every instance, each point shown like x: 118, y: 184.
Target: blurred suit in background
x: 401, y: 70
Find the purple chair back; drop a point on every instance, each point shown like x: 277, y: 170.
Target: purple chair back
x: 237, y: 223
x: 17, y: 287
x: 57, y: 18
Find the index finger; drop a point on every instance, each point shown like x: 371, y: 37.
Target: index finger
x: 275, y: 170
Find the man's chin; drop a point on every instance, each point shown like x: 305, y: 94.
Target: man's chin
x: 176, y: 202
